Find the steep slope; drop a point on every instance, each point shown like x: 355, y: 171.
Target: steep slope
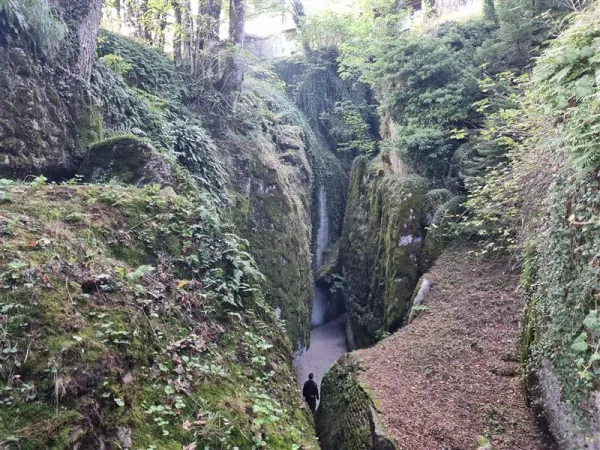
x: 452, y: 375
x: 133, y: 318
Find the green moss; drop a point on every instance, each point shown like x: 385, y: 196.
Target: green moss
x: 89, y: 124
x: 345, y: 420
x: 380, y: 248
x: 127, y: 159
x: 95, y: 348
x: 275, y: 225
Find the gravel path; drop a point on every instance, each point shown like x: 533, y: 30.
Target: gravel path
x: 327, y: 344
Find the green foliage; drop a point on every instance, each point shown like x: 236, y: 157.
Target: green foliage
x: 425, y: 148
x: 140, y: 101
x: 117, y: 64
x: 374, y: 26
x: 493, y: 207
x: 521, y: 31
x: 148, y: 69
x: 428, y: 84
x: 35, y: 20
x: 489, y: 11
x: 543, y: 194
x: 147, y: 282
x: 425, y: 83
x: 502, y: 128
x: 348, y: 128
x: 487, y: 163
x: 342, y: 110
x: 196, y: 150
x: 327, y: 29
x: 566, y: 79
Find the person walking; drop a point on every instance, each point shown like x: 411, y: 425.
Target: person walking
x: 311, y: 393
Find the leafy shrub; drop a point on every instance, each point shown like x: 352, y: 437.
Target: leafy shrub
x: 566, y: 78
x: 196, y: 150
x: 150, y: 70
x: 116, y: 64
x: 326, y: 29
x: 426, y: 149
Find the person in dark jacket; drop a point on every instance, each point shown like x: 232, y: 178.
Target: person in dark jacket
x: 311, y: 393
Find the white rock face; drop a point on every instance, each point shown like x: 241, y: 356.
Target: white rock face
x: 420, y: 297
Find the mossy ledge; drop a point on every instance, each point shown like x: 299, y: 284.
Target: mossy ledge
x: 133, y: 319
x: 347, y: 417
x: 127, y: 159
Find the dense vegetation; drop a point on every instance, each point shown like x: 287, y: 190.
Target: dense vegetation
x: 463, y: 105
x: 156, y: 275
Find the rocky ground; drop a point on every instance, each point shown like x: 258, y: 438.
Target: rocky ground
x: 452, y: 376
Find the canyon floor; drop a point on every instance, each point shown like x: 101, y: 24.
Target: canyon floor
x: 453, y: 374
x: 327, y: 344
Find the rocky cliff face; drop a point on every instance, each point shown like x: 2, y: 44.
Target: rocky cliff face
x: 175, y: 325
x: 46, y: 118
x: 380, y: 248
x: 272, y: 209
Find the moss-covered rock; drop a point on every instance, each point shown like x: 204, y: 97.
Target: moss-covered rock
x: 47, y: 117
x: 132, y: 318
x: 35, y: 133
x: 280, y: 167
x: 272, y: 211
x: 347, y: 417
x: 127, y: 159
x: 380, y: 248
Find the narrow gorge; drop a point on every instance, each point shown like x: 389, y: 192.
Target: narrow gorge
x: 203, y: 202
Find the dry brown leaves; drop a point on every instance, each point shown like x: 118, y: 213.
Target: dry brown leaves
x: 451, y: 376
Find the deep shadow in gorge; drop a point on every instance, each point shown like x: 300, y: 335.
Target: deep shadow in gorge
x: 327, y: 344
x: 328, y: 335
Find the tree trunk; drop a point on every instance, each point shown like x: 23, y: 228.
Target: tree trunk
x: 178, y: 36
x: 162, y: 26
x: 118, y: 10
x: 188, y: 32
x: 209, y: 21
x: 298, y: 14
x: 237, y: 21
x: 230, y: 83
x: 83, y: 18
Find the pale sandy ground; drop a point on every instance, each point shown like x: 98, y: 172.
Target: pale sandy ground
x: 327, y: 344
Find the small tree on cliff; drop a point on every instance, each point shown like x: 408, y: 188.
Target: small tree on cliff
x: 230, y: 84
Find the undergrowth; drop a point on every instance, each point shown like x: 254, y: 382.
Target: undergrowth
x: 543, y: 204
x: 133, y: 318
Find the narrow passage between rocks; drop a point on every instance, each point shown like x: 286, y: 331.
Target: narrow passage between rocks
x: 327, y: 344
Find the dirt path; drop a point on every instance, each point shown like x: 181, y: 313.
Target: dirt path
x: 452, y: 375
x: 327, y: 344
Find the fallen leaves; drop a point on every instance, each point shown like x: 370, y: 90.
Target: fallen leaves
x: 443, y: 380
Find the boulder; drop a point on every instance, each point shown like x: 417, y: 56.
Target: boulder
x: 127, y: 159
x: 347, y: 416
